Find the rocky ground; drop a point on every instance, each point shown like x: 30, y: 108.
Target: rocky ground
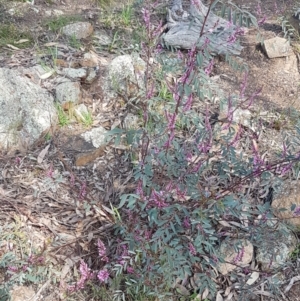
x: 58, y: 175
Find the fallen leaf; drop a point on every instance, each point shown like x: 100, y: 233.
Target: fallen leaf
x: 51, y: 44
x: 225, y: 224
x: 229, y: 297
x: 205, y: 293
x: 47, y: 74
x: 182, y: 290
x: 254, y: 276
x: 219, y: 297
x: 22, y: 41
x: 12, y: 47
x: 227, y: 291
x: 42, y: 154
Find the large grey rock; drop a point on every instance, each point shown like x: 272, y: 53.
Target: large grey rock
x: 126, y: 74
x: 79, y: 30
x: 26, y: 110
x: 277, y: 47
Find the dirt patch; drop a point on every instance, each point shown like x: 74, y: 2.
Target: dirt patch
x: 277, y: 79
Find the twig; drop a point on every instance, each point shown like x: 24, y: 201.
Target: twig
x: 37, y: 295
x: 296, y: 278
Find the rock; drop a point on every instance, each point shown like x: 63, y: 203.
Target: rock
x: 65, y: 64
x: 275, y: 246
x: 96, y: 136
x: 102, y: 38
x: 79, y: 30
x: 229, y: 253
x: 81, y: 111
x: 26, y: 110
x: 131, y: 121
x: 22, y: 293
x: 86, y: 152
x: 126, y: 74
x: 184, y: 34
x: 242, y: 117
x: 290, y: 196
x: 54, y: 13
x: 68, y: 93
x: 72, y: 73
x: 92, y: 75
x: 36, y: 73
x: 89, y: 59
x: 239, y: 116
x: 277, y: 47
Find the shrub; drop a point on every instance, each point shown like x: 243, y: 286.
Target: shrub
x: 195, y: 175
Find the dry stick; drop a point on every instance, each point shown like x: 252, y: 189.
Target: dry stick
x: 37, y: 295
x: 296, y: 278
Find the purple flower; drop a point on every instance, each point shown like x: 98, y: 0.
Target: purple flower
x: 286, y: 169
x: 215, y: 258
x: 150, y: 92
x: 82, y: 192
x: 102, y: 250
x: 192, y: 249
x: 146, y: 17
x: 239, y: 255
x: 50, y: 172
x: 238, y: 32
x: 186, y: 222
x: 139, y: 190
x: 25, y: 267
x: 262, y: 21
x: 72, y: 179
x: 148, y: 234
x: 297, y: 211
x: 157, y: 31
x: 259, y: 12
x: 188, y: 104
x: 130, y: 270
x: 85, y: 271
x: 103, y: 275
x: 243, y: 85
x: 209, y: 68
x: 158, y: 199
x: 12, y: 269
x: 85, y: 275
